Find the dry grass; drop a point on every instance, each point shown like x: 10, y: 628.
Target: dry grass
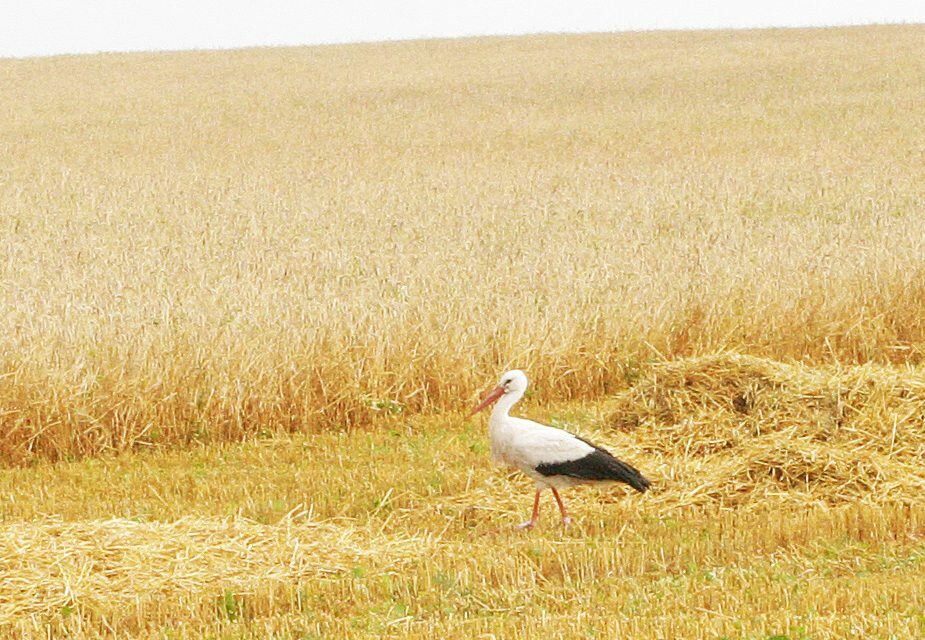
x: 208, y: 246
x: 124, y: 571
x: 751, y: 429
x: 826, y: 573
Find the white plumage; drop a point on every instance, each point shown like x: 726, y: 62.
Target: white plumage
x: 527, y: 445
x: 553, y: 458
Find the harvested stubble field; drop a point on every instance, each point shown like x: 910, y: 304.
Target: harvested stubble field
x: 246, y: 295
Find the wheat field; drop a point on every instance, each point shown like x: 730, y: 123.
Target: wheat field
x: 248, y: 294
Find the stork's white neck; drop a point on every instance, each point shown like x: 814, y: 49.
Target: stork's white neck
x: 504, y: 404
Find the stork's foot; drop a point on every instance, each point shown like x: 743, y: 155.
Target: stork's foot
x: 566, y: 521
x: 529, y: 524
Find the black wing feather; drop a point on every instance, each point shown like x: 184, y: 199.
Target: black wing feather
x: 597, y: 465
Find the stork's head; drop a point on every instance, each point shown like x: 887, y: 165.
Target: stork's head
x: 513, y: 382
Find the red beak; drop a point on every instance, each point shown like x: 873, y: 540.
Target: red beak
x: 496, y: 393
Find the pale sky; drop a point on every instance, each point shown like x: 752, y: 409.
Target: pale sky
x: 49, y: 27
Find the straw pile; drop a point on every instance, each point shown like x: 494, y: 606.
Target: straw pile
x: 126, y: 570
x: 736, y: 429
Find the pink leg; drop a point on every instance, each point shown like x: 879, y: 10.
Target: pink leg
x: 566, y: 518
x: 529, y: 524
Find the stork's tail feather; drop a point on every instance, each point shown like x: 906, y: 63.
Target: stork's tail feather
x: 629, y: 474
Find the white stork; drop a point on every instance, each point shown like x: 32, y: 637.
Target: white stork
x: 553, y: 458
